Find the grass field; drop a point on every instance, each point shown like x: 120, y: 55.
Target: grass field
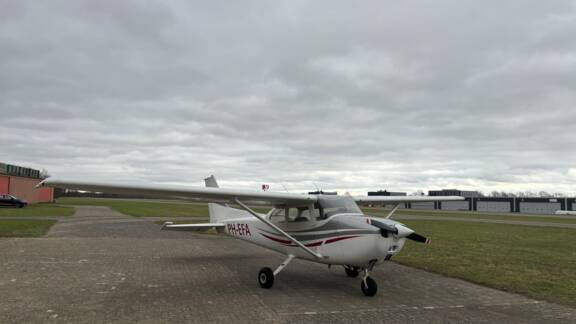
x: 24, y: 228
x: 489, y: 216
x: 534, y: 261
x: 146, y: 208
x: 43, y: 209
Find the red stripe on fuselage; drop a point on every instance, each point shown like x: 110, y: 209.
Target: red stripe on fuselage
x: 276, y: 239
x: 290, y: 243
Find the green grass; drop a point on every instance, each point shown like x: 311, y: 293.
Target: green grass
x: 535, y: 261
x: 42, y: 209
x: 456, y: 214
x: 146, y: 208
x: 24, y: 228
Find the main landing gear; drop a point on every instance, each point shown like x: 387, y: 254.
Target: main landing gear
x: 368, y: 285
x: 352, y: 271
x: 266, y: 276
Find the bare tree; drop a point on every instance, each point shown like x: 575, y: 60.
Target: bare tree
x: 44, y: 174
x: 544, y: 194
x: 417, y: 193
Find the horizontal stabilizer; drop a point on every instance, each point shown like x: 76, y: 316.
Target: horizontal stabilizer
x: 169, y: 226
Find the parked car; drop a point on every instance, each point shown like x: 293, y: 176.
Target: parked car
x: 8, y: 200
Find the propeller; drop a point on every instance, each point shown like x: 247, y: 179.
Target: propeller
x: 419, y: 238
x: 400, y: 231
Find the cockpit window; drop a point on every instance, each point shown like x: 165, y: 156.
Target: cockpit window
x: 294, y: 214
x: 324, y: 208
x: 332, y: 205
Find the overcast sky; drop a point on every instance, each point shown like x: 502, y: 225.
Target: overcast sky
x: 350, y: 96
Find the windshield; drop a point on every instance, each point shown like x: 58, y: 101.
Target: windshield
x: 332, y: 205
x: 324, y: 208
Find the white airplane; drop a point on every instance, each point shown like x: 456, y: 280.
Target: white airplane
x: 325, y: 229
x: 565, y: 212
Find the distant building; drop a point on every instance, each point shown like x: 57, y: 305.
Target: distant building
x: 385, y: 193
x: 455, y: 192
x: 320, y: 192
x: 20, y: 182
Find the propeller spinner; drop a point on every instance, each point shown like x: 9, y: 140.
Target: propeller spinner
x: 400, y: 231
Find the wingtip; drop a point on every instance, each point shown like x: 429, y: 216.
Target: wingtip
x: 40, y: 184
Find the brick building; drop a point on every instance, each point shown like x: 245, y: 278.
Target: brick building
x: 20, y: 182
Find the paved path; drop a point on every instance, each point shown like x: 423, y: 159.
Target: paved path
x: 99, y: 266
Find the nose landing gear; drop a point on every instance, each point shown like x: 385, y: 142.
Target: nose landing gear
x: 368, y: 285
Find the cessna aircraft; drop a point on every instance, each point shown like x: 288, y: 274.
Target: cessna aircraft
x: 325, y: 229
x: 565, y: 212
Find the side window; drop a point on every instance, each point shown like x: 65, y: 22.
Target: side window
x: 277, y: 215
x: 295, y: 214
x: 302, y: 214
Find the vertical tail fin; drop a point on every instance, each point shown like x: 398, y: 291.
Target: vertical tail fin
x: 219, y: 212
x: 212, y: 207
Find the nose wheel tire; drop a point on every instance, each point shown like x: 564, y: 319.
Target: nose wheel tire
x: 369, y: 287
x: 266, y: 278
x: 351, y: 272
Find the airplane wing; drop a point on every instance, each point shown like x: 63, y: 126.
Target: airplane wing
x: 366, y: 200
x: 209, y: 194
x: 217, y: 195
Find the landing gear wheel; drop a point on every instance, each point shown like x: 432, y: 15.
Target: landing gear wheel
x: 266, y: 278
x: 352, y: 272
x: 369, y: 287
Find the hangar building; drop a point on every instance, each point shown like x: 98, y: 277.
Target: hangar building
x: 20, y: 182
x: 454, y: 205
x: 474, y: 201
x: 385, y: 193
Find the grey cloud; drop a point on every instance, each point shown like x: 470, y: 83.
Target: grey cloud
x: 408, y: 95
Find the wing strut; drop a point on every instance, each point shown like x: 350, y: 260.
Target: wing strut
x: 393, y: 211
x: 288, y: 236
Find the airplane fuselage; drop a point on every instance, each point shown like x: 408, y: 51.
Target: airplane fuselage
x: 342, y: 239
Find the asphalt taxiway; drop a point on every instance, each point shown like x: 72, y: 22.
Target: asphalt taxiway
x: 100, y: 266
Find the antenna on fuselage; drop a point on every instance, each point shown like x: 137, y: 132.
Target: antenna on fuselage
x: 317, y: 189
